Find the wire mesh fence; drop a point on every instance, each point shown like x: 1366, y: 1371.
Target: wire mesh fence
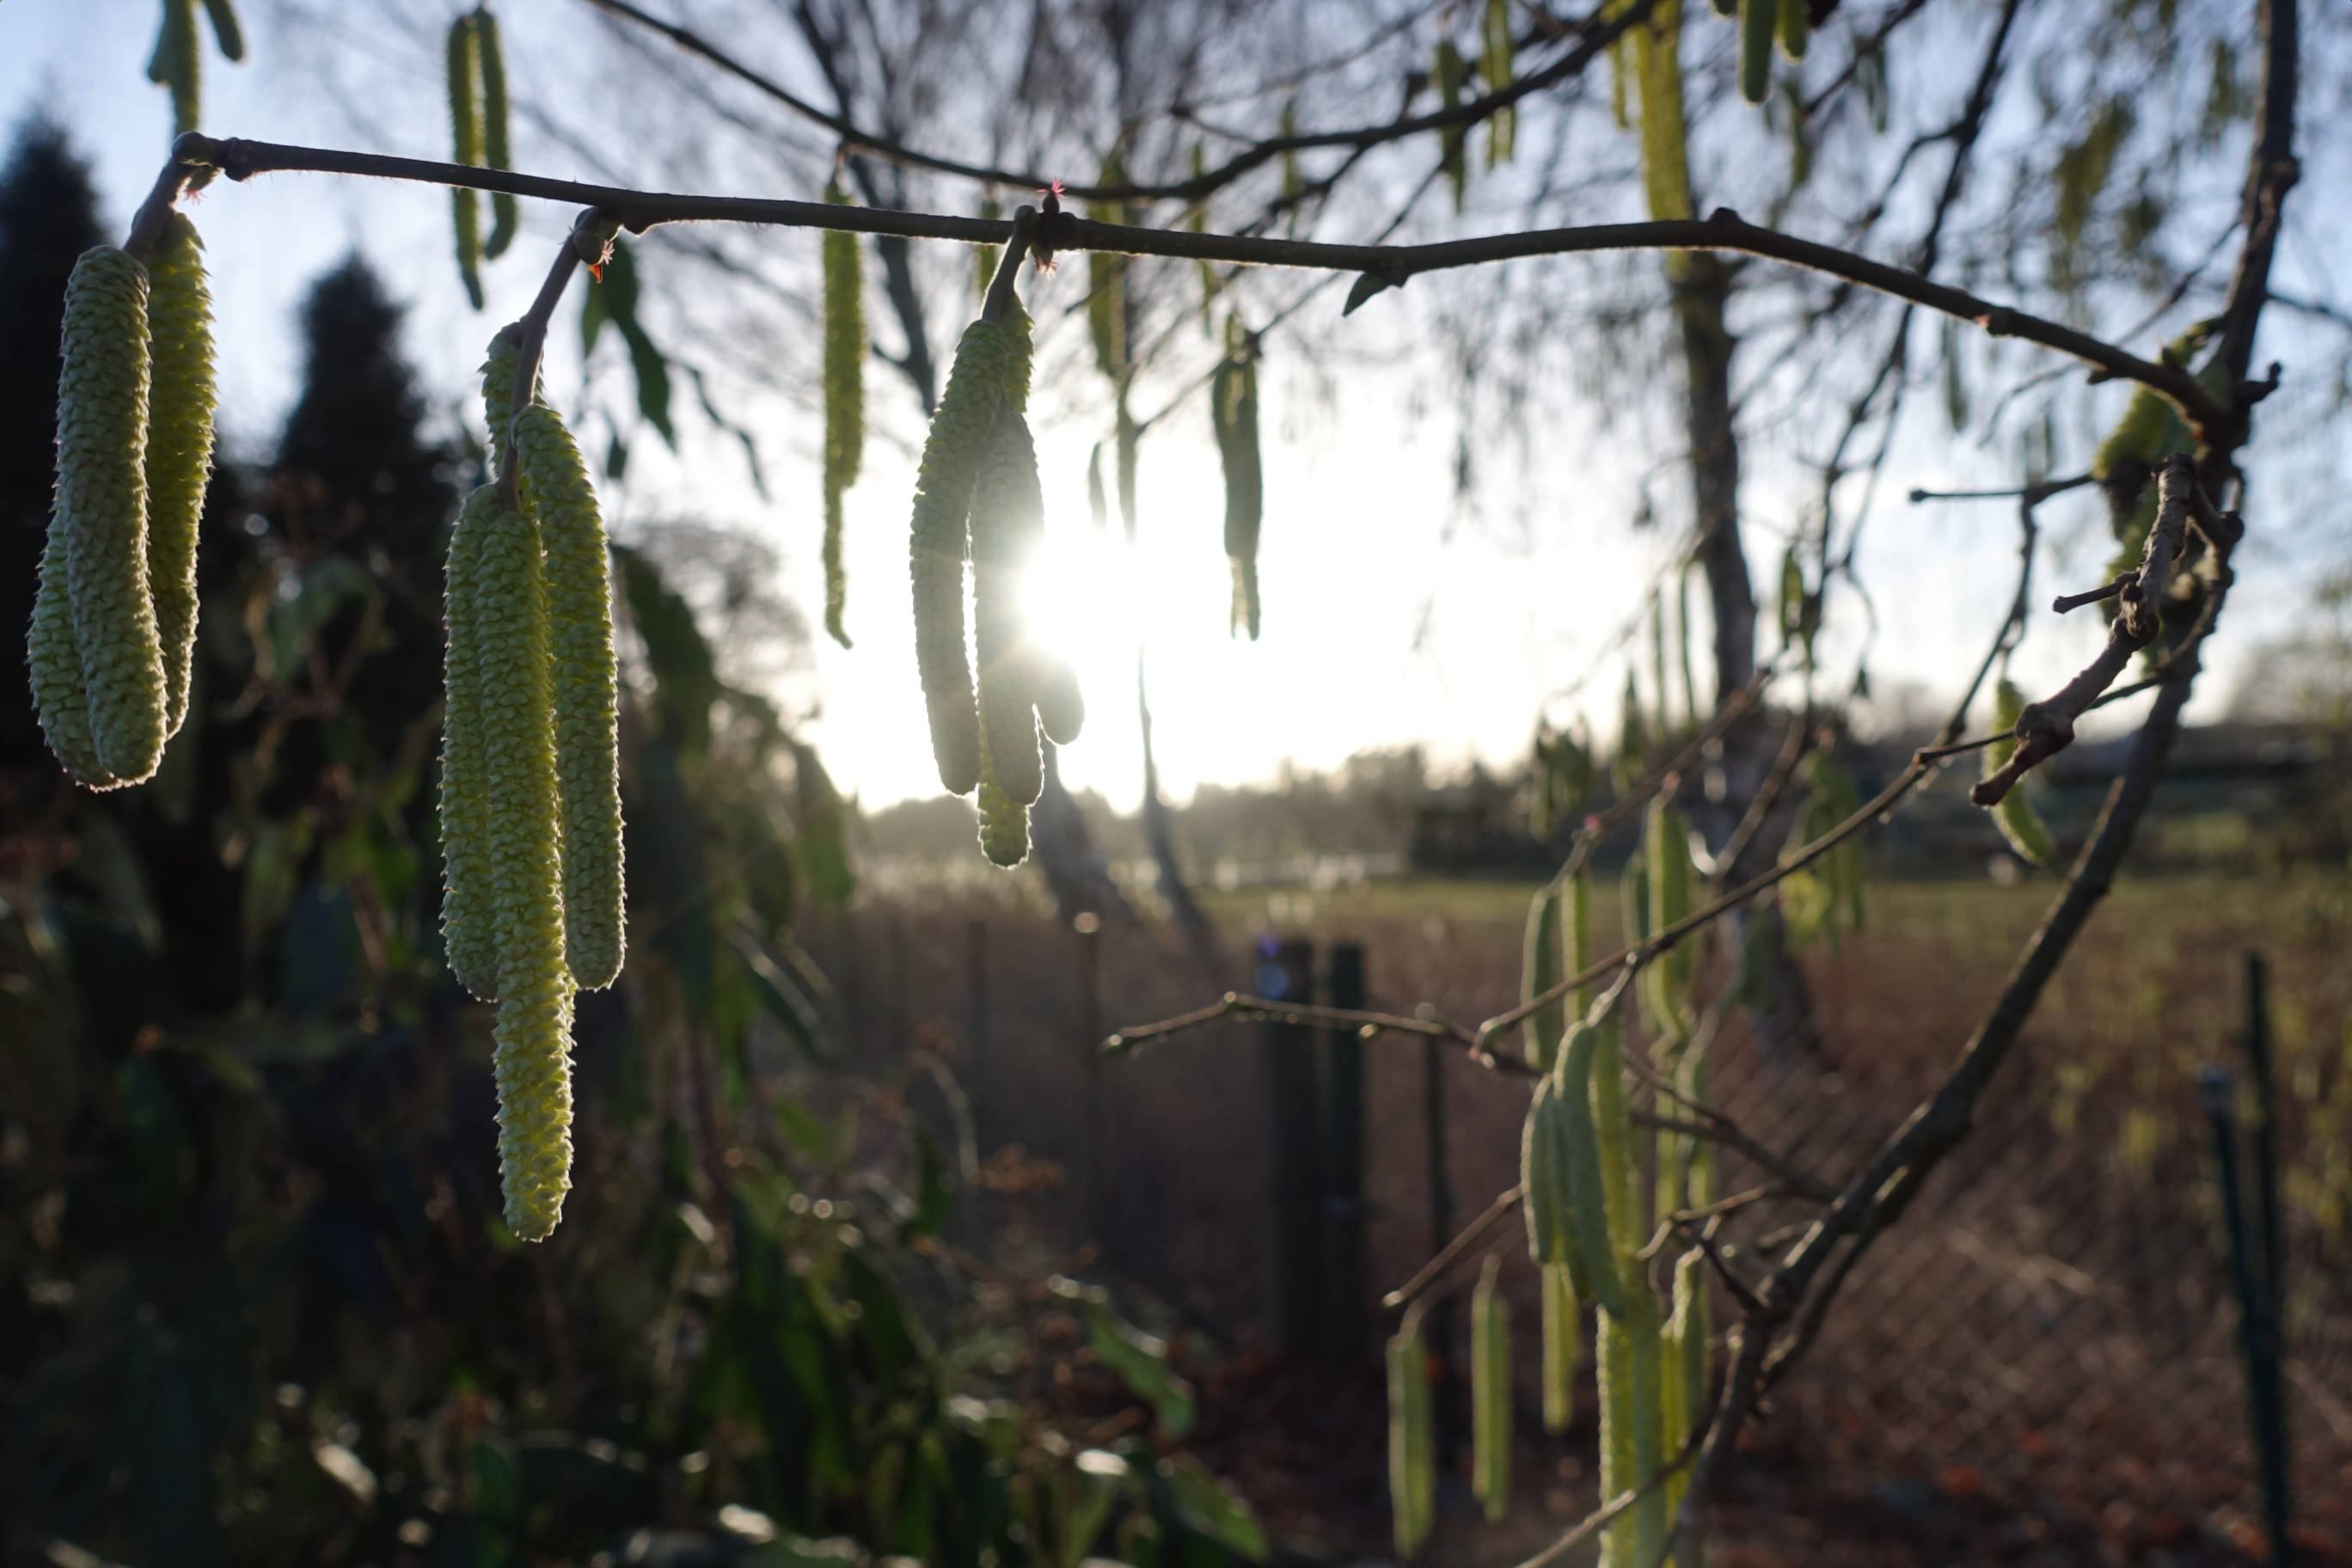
x: 2048, y: 1332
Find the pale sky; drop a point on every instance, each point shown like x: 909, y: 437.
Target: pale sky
x: 1392, y: 613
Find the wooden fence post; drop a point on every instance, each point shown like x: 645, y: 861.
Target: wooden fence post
x: 1294, y: 1163
x: 1347, y: 1266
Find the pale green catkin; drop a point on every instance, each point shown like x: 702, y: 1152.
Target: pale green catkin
x: 1232, y: 405
x: 227, y: 33
x: 1796, y: 27
x: 1563, y: 1346
x: 1591, y: 1162
x: 468, y: 934
x: 98, y: 511
x: 1004, y: 823
x: 844, y: 403
x: 1495, y: 52
x: 1490, y: 1392
x: 1667, y: 979
x: 1008, y: 516
x: 1620, y: 1463
x: 53, y: 662
x: 1543, y: 1178
x: 1540, y: 971
x: 499, y: 367
x: 1693, y: 1328
x: 1451, y: 74
x: 953, y: 455
x: 586, y: 687
x: 1061, y: 705
x: 466, y: 147
x: 2014, y: 815
x: 1413, y: 1458
x: 532, y: 1057
x: 1633, y: 1430
x: 1756, y: 21
x: 504, y: 216
x: 178, y: 64
x: 181, y: 402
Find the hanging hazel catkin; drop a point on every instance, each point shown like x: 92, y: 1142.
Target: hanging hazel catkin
x: 1540, y: 1030
x: 1563, y: 1345
x: 1232, y: 401
x: 466, y: 147
x: 469, y: 933
x: 844, y: 402
x: 181, y: 400
x: 504, y: 215
x: 1413, y: 1456
x: 1061, y: 706
x: 585, y: 689
x: 531, y: 1060
x: 499, y: 367
x: 953, y: 455
x: 1490, y: 1392
x: 98, y: 513
x: 1008, y: 514
x: 1756, y: 21
x: 1003, y: 824
x: 178, y: 62
x: 2014, y: 815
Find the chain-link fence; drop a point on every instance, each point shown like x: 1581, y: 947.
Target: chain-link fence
x: 2048, y: 1333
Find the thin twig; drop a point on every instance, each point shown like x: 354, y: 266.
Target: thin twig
x: 1596, y: 32
x: 1725, y: 230
x: 1453, y: 1251
x: 2046, y: 728
x: 1236, y: 1006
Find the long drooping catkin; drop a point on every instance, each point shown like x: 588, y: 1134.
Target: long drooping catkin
x: 98, y: 513
x: 2014, y: 814
x: 492, y: 59
x: 1004, y: 822
x: 469, y: 933
x: 1232, y: 397
x: 53, y: 660
x: 179, y: 448
x: 953, y: 455
x: 533, y: 1057
x: 1413, y: 1458
x: 845, y: 402
x: 585, y: 684
x: 464, y: 51
x: 1490, y: 1392
x: 499, y: 367
x: 1008, y: 514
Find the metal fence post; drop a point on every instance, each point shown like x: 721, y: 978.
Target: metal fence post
x: 1446, y: 1396
x: 1293, y: 1140
x: 1347, y: 1266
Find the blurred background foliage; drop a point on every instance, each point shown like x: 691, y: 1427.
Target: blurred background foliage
x: 258, y: 1305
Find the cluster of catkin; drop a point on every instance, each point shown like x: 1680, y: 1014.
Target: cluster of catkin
x: 977, y: 498
x: 112, y: 643
x: 1588, y: 1225
x: 531, y: 808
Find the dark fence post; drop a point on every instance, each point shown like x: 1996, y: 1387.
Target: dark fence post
x: 1294, y: 1163
x: 1444, y: 1405
x: 1347, y: 1266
